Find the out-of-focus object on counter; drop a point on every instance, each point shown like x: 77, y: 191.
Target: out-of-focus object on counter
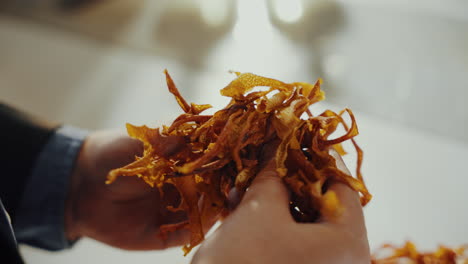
x: 187, y: 29
x: 65, y: 5
x: 310, y: 25
x: 100, y: 19
x: 305, y: 21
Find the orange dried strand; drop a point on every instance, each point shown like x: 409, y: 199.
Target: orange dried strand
x: 410, y: 254
x: 173, y: 90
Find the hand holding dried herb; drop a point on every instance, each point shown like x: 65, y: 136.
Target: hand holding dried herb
x: 206, y: 156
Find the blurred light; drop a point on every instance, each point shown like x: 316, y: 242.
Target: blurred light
x: 214, y: 12
x: 288, y: 11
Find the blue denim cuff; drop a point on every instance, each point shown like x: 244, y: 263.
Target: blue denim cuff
x: 39, y: 221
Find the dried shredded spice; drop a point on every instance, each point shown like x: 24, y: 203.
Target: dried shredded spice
x: 409, y: 254
x: 206, y: 156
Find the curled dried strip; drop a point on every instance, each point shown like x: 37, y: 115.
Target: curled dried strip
x: 205, y: 156
x: 408, y: 253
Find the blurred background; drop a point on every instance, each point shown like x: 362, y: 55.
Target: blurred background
x: 402, y: 66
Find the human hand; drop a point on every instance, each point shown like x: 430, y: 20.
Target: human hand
x: 125, y: 214
x: 262, y: 230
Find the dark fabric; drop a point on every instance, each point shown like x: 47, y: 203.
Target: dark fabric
x: 39, y: 221
x: 8, y: 247
x: 22, y: 138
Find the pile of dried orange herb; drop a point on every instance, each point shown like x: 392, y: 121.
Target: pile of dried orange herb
x: 206, y: 156
x: 408, y: 253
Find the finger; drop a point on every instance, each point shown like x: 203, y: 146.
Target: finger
x: 352, y: 215
x: 175, y: 239
x: 128, y: 187
x: 266, y: 164
x: 153, y: 240
x: 180, y: 236
x: 267, y: 194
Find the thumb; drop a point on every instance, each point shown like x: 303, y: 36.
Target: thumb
x: 268, y: 194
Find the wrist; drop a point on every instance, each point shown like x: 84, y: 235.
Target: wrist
x: 72, y: 201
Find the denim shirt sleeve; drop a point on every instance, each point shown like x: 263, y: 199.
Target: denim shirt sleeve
x: 39, y: 221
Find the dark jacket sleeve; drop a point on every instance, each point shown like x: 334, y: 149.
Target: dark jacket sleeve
x: 22, y: 137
